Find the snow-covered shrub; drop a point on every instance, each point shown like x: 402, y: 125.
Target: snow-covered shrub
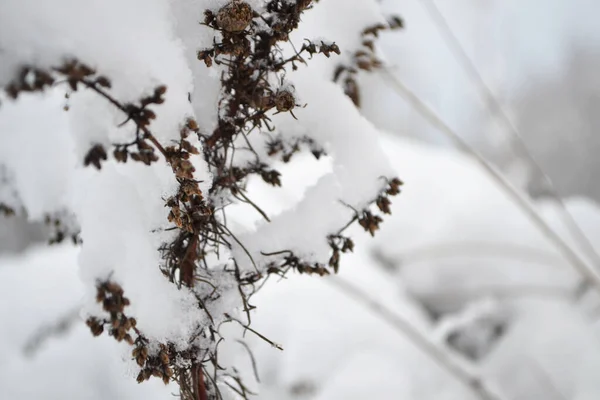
x: 174, y: 106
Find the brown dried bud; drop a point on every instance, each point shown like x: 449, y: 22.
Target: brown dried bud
x: 103, y: 81
x: 120, y: 154
x: 183, y: 168
x: 95, y: 156
x: 141, y: 355
x: 113, y: 288
x: 164, y: 358
x: 95, y: 326
x: 190, y: 188
x: 394, y: 187
x: 160, y: 90
x: 284, y: 101
x: 348, y: 245
x: 370, y: 222
x: 129, y: 339
x: 395, y: 22
x: 334, y: 260
x: 187, y: 146
x: 192, y: 124
x: 144, y: 375
x: 234, y: 17
x: 157, y: 374
x: 205, y: 56
x: 303, y: 4
x: 383, y: 203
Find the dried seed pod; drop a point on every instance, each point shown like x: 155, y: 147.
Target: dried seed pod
x: 234, y: 17
x: 348, y: 245
x: 383, y: 203
x: 183, y: 168
x: 94, y: 156
x: 192, y: 124
x: 95, y: 326
x: 120, y: 154
x: 284, y: 101
x: 144, y: 375
x: 164, y: 357
x: 394, y: 187
x: 157, y: 374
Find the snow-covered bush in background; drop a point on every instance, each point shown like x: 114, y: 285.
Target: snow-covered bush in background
x: 175, y: 106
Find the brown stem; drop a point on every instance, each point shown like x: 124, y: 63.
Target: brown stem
x: 117, y: 104
x: 198, y: 382
x: 187, y: 266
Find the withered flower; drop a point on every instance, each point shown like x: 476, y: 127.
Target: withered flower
x: 234, y: 17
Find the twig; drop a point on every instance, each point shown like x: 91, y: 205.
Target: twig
x: 260, y: 335
x: 252, y: 359
x: 589, y: 275
x: 519, y: 147
x: 512, y: 251
x: 254, y: 205
x: 199, y: 386
x: 406, y: 329
x: 59, y: 327
x: 546, y: 380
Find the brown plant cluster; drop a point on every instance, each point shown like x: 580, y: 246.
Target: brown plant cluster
x: 363, y: 59
x: 248, y: 49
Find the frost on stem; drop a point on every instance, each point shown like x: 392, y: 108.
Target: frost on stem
x: 214, y: 269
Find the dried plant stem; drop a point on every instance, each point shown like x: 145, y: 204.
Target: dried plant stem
x: 199, y: 387
x: 496, y: 110
x: 546, y: 380
x: 406, y: 329
x: 500, y: 250
x: 588, y: 274
x: 94, y: 87
x: 61, y: 326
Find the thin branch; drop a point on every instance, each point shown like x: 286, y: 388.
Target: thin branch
x: 511, y: 251
x: 260, y: 335
x: 546, y: 380
x: 114, y: 102
x: 248, y: 201
x: 589, y: 275
x: 252, y: 359
x: 406, y: 329
x: 519, y: 147
x: 57, y: 328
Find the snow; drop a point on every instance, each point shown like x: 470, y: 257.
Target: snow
x: 28, y: 143
x: 358, y: 166
x: 457, y: 259
x: 328, y: 339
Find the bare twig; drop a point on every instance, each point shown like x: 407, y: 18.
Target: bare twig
x: 474, y: 383
x: 511, y: 251
x: 59, y: 327
x: 519, y: 147
x: 546, y: 380
x: 589, y: 274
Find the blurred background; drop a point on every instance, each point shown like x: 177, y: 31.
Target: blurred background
x: 458, y: 264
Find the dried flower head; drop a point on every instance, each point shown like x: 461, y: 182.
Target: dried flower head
x: 284, y: 101
x: 234, y: 17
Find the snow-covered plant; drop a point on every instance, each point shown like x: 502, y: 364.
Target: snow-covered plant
x: 175, y: 106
